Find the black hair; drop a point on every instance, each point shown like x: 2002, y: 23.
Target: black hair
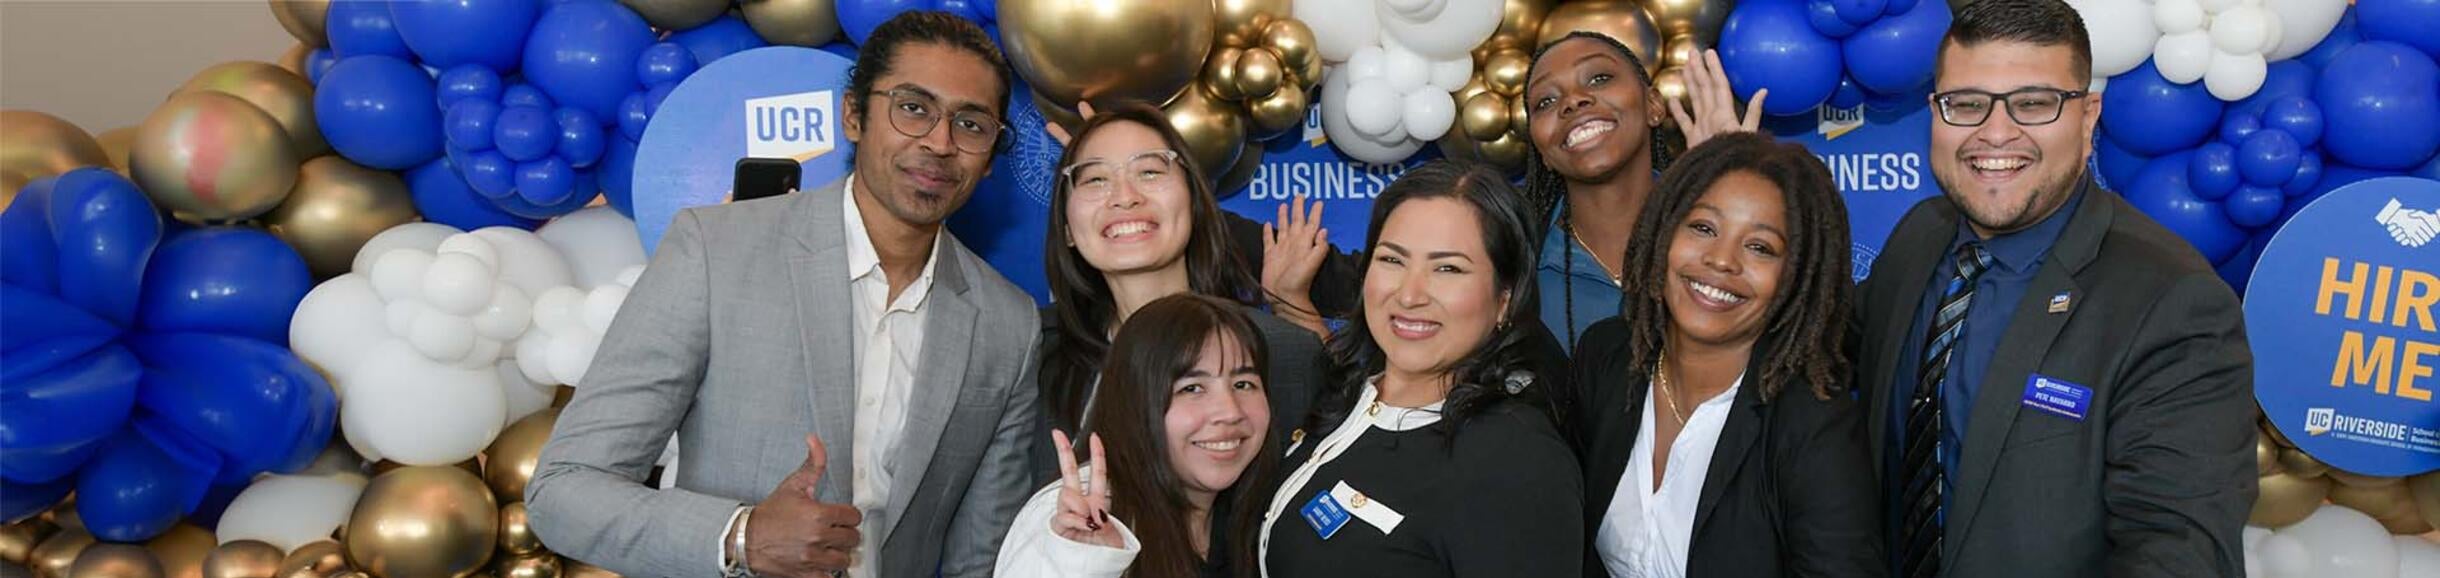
x: 879, y: 55
x: 1547, y: 190
x: 1156, y: 346
x: 2036, y: 22
x: 1804, y: 331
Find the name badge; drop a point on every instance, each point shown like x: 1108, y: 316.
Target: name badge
x: 1325, y: 514
x: 2057, y: 397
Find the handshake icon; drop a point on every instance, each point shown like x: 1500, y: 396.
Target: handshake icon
x: 2410, y: 227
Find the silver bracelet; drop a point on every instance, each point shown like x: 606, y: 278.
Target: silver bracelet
x: 737, y: 544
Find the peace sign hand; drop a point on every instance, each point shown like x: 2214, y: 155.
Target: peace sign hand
x: 1084, y: 503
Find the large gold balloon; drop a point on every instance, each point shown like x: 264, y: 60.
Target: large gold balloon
x: 242, y: 559
x: 1240, y: 23
x: 514, y: 454
x: 282, y: 94
x: 2301, y: 464
x: 1484, y: 116
x: 516, y: 536
x: 1508, y: 152
x: 1214, y: 131
x: 39, y: 145
x: 1699, y: 18
x: 1107, y: 50
x: 316, y: 560
x: 544, y: 565
x: 17, y: 541
x: 2287, y: 499
x: 1518, y: 121
x: 1505, y: 72
x: 677, y: 14
x: 207, y: 157
x: 1521, y: 24
x: 182, y: 549
x: 56, y: 555
x: 1259, y: 73
x: 573, y: 568
x: 116, y: 561
x: 1621, y: 20
x: 1220, y: 73
x: 1274, y: 115
x: 303, y: 19
x: 792, y: 22
x: 2276, y: 436
x: 2426, y: 491
x: 1294, y: 43
x: 2347, y: 478
x: 1671, y: 83
x: 428, y: 521
x: 293, y: 60
x: 2266, y: 456
x: 10, y: 183
x: 336, y: 207
x: 2377, y: 501
x: 115, y: 144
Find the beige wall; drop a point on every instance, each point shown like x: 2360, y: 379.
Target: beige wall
x: 104, y: 64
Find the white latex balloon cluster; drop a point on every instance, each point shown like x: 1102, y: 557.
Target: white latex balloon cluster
x: 2337, y: 541
x: 568, y: 327
x: 1398, y: 61
x: 2226, y: 44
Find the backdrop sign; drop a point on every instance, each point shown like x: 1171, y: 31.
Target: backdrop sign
x: 2341, y: 311
x: 1877, y: 158
x: 778, y: 102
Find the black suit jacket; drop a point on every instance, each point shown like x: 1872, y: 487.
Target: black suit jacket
x: 2158, y: 478
x: 1789, y: 490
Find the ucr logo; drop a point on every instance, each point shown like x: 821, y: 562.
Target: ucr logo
x: 791, y: 126
x: 2318, y: 420
x: 1835, y: 122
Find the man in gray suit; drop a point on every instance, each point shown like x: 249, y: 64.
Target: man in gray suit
x: 833, y: 354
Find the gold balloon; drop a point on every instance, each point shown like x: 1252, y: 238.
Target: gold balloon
x: 316, y: 560
x: 2276, y: 436
x: 2426, y: 491
x: 1274, y: 115
x: 17, y: 541
x: 181, y: 550
x: 1521, y: 24
x: 1220, y: 74
x: 2409, y: 520
x: 677, y: 14
x: 242, y: 559
x: 517, y: 538
x: 303, y: 19
x: 1518, y: 121
x: 792, y: 22
x: 1107, y: 50
x: 1621, y: 20
x: 2347, y: 478
x: 423, y: 521
x: 115, y: 143
x: 1240, y: 23
x: 1679, y: 50
x: 56, y: 555
x: 39, y: 145
x: 1484, y: 116
x: 284, y: 95
x: 64, y: 514
x: 1505, y: 72
x: 1508, y: 152
x: 2380, y: 501
x: 573, y: 568
x: 293, y: 59
x: 2266, y: 456
x: 544, y: 565
x: 1214, y: 132
x: 1294, y: 43
x: 2302, y: 465
x: 207, y: 156
x: 514, y: 454
x: 10, y: 183
x: 336, y: 207
x: 116, y: 561
x: 1699, y: 18
x: 1259, y: 73
x: 1671, y: 83
x: 2287, y: 499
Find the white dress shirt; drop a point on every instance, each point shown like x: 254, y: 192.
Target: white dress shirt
x: 888, y: 342
x: 1646, y: 531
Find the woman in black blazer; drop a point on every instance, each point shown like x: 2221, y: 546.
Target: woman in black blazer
x: 1720, y: 436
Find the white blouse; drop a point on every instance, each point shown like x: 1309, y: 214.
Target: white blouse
x: 1646, y: 531
x: 1034, y: 550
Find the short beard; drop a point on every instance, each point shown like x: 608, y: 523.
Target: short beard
x: 2043, y: 200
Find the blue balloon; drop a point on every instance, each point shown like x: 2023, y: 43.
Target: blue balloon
x: 380, y: 112
x: 2254, y: 207
x: 848, y: 51
x: 142, y: 482
x: 216, y: 500
x: 489, y: 172
x: 105, y: 230
x: 2297, y: 117
x: 229, y: 280
x: 1823, y: 15
x: 967, y: 9
x: 2161, y: 192
x: 38, y: 331
x: 580, y: 138
x: 23, y: 500
x: 860, y: 17
x: 469, y: 82
x: 317, y: 63
x: 50, y: 421
x: 2269, y: 158
x: 1895, y: 54
x: 29, y: 258
x: 250, y: 401
x: 518, y: 205
x: 2308, y: 174
x: 1772, y: 45
x: 469, y: 124
x: 1897, y: 7
x: 363, y: 28
x: 2409, y: 22
x: 2239, y: 268
x: 1859, y: 12
x: 1848, y: 95
x: 632, y: 116
x: 721, y: 37
x: 583, y: 54
x: 2286, y: 78
x: 442, y: 196
x: 2152, y: 116
x: 664, y: 62
x: 2430, y: 170
x: 2214, y: 171
x: 2118, y: 167
x: 487, y: 33
x: 525, y: 133
x: 525, y: 95
x: 653, y: 98
x: 2380, y: 106
x: 617, y: 173
x: 545, y: 181
x: 2340, y: 39
x: 2239, y: 126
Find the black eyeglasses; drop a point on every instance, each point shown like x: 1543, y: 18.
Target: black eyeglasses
x: 2027, y: 106
x: 915, y: 114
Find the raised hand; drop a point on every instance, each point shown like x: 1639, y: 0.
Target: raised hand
x: 1084, y: 111
x: 1714, y: 104
x: 792, y: 534
x: 1084, y: 498
x: 1293, y: 248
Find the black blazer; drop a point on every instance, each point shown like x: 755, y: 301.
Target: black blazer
x: 1789, y: 490
x: 2158, y: 478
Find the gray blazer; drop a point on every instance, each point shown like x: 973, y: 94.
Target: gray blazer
x: 736, y: 339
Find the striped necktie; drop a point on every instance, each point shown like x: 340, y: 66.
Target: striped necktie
x: 1926, y: 482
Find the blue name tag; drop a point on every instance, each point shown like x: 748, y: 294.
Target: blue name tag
x: 2057, y: 397
x: 1325, y: 515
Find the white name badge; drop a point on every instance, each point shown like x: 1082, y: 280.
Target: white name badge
x: 1366, y: 508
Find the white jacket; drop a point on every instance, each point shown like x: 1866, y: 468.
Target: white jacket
x: 1032, y: 549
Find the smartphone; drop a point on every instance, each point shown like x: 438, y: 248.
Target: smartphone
x: 759, y: 177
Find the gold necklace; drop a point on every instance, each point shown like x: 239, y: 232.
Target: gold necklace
x: 1616, y: 279
x: 1660, y: 373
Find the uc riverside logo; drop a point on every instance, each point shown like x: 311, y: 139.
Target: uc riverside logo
x: 2317, y: 420
x: 791, y: 126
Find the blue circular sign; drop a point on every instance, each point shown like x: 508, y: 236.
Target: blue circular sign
x: 772, y: 102
x: 2340, y: 315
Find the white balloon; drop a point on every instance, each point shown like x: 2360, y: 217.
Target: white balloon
x: 337, y: 322
x: 414, y: 411
x: 1417, y: 10
x: 2283, y: 556
x: 2176, y: 16
x: 458, y: 284
x: 400, y: 316
x: 2272, y: 29
x: 420, y: 236
x: 1429, y: 112
x: 1339, y: 27
x: 335, y: 459
x: 601, y: 306
x: 524, y: 396
x: 290, y: 511
x: 2099, y: 85
x: 444, y: 338
x: 507, y: 316
x: 2340, y: 541
x: 533, y: 358
x: 2218, y: 6
x: 1405, y: 70
x: 2122, y: 32
x: 1453, y: 32
x: 2253, y: 535
x: 1372, y: 108
x: 485, y: 353
x: 472, y: 245
x: 2183, y: 58
x: 560, y: 310
x: 2233, y: 77
x: 568, y: 360
x: 2416, y: 556
x: 399, y: 275
x: 1451, y: 75
x: 2240, y: 30
x: 2303, y: 23
x: 596, y: 242
x: 1369, y: 62
x: 628, y: 276
x: 528, y: 261
x: 1351, y: 141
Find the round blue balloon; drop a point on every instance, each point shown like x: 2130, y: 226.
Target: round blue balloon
x: 2239, y: 268
x: 468, y: 82
x: 545, y: 181
x: 2308, y: 174
x: 2297, y: 117
x: 2285, y: 78
x: 23, y: 500
x: 2214, y: 171
x: 50, y: 421
x: 248, y: 400
x: 2380, y: 106
x: 2269, y: 158
x: 29, y: 258
x: 1772, y: 45
x: 2152, y: 116
x: 664, y: 62
x: 2239, y: 125
x: 2118, y: 166
x: 2409, y: 22
x: 583, y: 54
x: 1823, y: 15
x: 721, y: 37
x: 142, y: 482
x: 1848, y: 95
x: 44, y: 332
x: 470, y: 123
x: 974, y: 10
x: 653, y: 98
x: 1895, y: 54
x: 228, y: 280
x: 105, y: 230
x: 318, y: 62
x: 518, y: 205
x: 522, y: 94
x: 843, y: 49
x: 490, y: 173
x: 2341, y: 38
x: 2162, y: 192
x: 632, y: 116
x: 617, y: 175
x: 525, y: 133
x: 860, y: 17
x: 363, y: 28
x: 442, y: 196
x: 1897, y: 7
x: 1859, y: 12
x: 380, y: 112
x: 445, y: 33
x: 580, y: 138
x: 2254, y: 207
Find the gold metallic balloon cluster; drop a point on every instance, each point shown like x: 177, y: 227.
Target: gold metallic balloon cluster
x: 1664, y: 34
x: 2294, y: 484
x: 34, y: 145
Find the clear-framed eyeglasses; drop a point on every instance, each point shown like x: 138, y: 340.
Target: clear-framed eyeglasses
x: 1148, y: 171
